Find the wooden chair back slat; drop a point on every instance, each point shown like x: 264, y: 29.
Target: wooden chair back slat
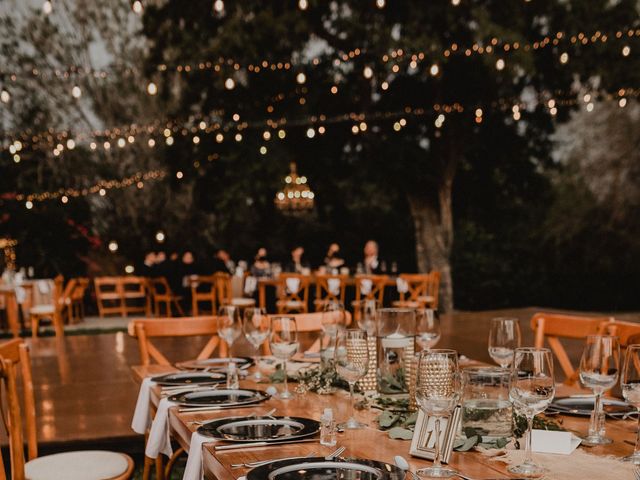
x: 378, y: 282
x: 224, y: 290
x: 309, y: 323
x: 553, y: 327
x: 203, y: 290
x: 147, y: 329
x: 161, y: 293
x: 625, y: 331
x: 115, y: 294
x: 422, y: 288
x: 324, y: 292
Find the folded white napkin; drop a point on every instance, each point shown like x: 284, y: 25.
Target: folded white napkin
x: 141, y: 417
x: 334, y: 286
x: 159, y: 440
x: 293, y: 285
x: 250, y: 285
x: 21, y: 294
x: 402, y: 285
x: 193, y: 469
x: 43, y: 286
x: 365, y: 286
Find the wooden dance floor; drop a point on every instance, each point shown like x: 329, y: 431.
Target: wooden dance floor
x: 85, y: 393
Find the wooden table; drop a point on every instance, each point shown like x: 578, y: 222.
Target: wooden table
x: 366, y: 443
x: 10, y: 303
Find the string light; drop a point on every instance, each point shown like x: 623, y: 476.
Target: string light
x: 160, y: 236
x: 218, y: 6
x: 380, y: 3
x: 303, y: 4
x: 301, y: 78
x: 113, y: 246
x: 229, y: 84
x: 626, y: 50
x: 137, y: 7
x: 100, y: 188
x: 5, y: 96
x: 76, y: 92
x: 152, y: 88
x: 47, y: 7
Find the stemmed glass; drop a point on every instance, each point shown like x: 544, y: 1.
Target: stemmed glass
x: 333, y: 318
x: 630, y: 383
x: 352, y: 363
x: 284, y: 345
x: 229, y: 327
x: 427, y: 328
x: 367, y: 317
x: 531, y: 390
x: 504, y: 338
x: 438, y: 390
x: 599, y: 369
x: 257, y: 327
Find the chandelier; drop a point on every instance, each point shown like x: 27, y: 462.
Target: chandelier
x: 296, y: 197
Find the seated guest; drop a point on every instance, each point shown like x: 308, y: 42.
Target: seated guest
x: 222, y: 262
x: 333, y: 259
x: 261, y: 266
x: 149, y: 267
x: 371, y: 260
x: 297, y: 264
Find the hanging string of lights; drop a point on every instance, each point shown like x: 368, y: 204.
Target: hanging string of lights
x: 100, y: 188
x: 197, y: 126
x: 493, y: 46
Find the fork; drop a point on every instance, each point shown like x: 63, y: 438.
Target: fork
x: 265, y: 462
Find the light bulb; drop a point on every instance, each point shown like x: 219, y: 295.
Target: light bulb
x: 76, y: 92
x: 137, y: 7
x: 47, y: 7
x: 152, y: 88
x: 5, y: 96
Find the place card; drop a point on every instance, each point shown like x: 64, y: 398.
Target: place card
x: 547, y: 441
x: 424, y: 439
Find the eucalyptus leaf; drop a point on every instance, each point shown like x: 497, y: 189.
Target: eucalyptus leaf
x: 399, y: 433
x: 387, y: 419
x: 469, y: 443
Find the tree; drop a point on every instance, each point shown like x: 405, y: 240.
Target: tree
x: 400, y: 60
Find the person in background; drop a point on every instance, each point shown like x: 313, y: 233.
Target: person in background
x: 222, y: 262
x: 149, y: 266
x: 296, y: 264
x: 333, y: 260
x: 371, y: 261
x: 261, y: 266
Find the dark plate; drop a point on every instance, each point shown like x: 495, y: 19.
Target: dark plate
x: 583, y: 406
x: 221, y: 397
x: 188, y: 378
x: 260, y: 429
x: 215, y: 364
x: 321, y: 469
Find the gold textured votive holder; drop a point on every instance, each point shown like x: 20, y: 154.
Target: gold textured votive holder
x: 369, y: 382
x: 412, y: 369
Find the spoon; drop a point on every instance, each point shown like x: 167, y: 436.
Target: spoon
x: 402, y: 464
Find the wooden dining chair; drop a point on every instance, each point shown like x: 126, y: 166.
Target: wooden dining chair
x: 152, y: 328
x: 135, y: 296
x: 625, y: 331
x: 224, y: 292
x: 203, y: 290
x: 21, y: 424
x: 77, y: 299
x: 368, y: 287
x: 293, y: 293
x: 108, y: 295
x: 161, y: 294
x: 553, y: 326
x: 421, y: 290
x: 52, y: 311
x: 329, y: 288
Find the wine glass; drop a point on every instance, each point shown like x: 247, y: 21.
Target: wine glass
x: 427, y: 328
x: 352, y: 363
x: 333, y: 318
x: 531, y: 390
x: 367, y: 317
x: 284, y: 345
x: 599, y: 369
x: 229, y: 326
x: 256, y: 327
x: 504, y: 338
x: 438, y: 391
x: 630, y: 383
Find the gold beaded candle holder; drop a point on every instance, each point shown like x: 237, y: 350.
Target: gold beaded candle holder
x: 369, y: 382
x: 412, y: 369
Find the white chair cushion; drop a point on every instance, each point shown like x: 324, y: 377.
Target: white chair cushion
x: 42, y: 309
x: 83, y: 465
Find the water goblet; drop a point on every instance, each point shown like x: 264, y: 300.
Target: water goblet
x: 284, y: 345
x: 352, y: 363
x: 438, y: 391
x: 630, y: 383
x: 504, y: 338
x: 599, y: 369
x: 229, y: 326
x: 427, y: 328
x: 531, y: 390
x: 333, y: 318
x: 256, y: 327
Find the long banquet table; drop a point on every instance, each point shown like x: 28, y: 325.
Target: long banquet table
x: 367, y: 443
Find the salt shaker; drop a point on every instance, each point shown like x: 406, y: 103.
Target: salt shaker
x: 328, y: 430
x: 232, y: 377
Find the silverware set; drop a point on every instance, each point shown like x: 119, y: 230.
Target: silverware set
x: 251, y: 415
x: 335, y: 454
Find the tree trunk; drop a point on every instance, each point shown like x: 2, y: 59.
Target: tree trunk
x: 433, y: 223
